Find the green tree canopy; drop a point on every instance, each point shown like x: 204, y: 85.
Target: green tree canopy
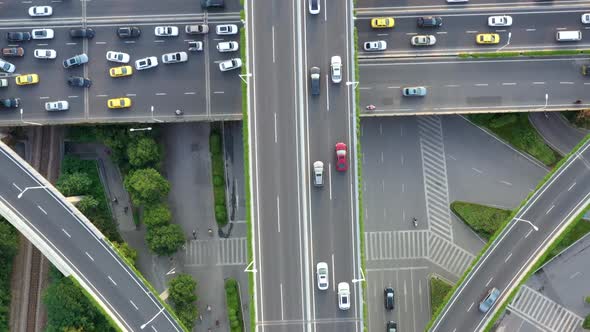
x: 165, y: 240
x: 143, y: 152
x: 76, y: 183
x: 182, y: 290
x: 87, y: 204
x: 146, y: 186
x: 128, y: 252
x: 157, y: 215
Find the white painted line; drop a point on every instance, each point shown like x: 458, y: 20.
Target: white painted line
x: 42, y: 44
x: 218, y: 92
x: 327, y: 92
x: 538, y: 82
x: 489, y: 281
x: 361, y: 88
x: 43, y: 97
x: 560, y: 28
x: 570, y: 188
x: 481, y: 84
x: 393, y: 87
x: 566, y: 82
x: 72, y: 96
x: 470, y: 31
x: 529, y: 30
x: 333, y: 275
x: 102, y: 95
x: 382, y: 34
x: 42, y: 210
x: 508, y: 83
x: 586, y: 83
x: 380, y: 129
x: 475, y: 169
x: 71, y: 44
x: 551, y: 208
x: 100, y: 43
x: 17, y: 188
x: 383, y: 185
x: 63, y: 230
x: 133, y: 304
x: 441, y: 33
x: 508, y: 257
x: 452, y: 85
x: 282, y: 308
x: 160, y: 93
x: 330, y: 179
x: 575, y: 275
x: 130, y: 42
x: 275, y: 127
x: 529, y: 233
x: 153, y: 328
x: 382, y: 157
x: 273, y: 44
x: 158, y: 41
x: 87, y: 254
x: 411, y: 33
x: 113, y: 281
x: 471, y: 306
x: 452, y: 157
x: 506, y: 183
x: 190, y: 93
x: 501, y: 30
x: 131, y: 95
x: 278, y: 215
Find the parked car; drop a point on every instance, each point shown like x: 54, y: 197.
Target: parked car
x: 128, y: 32
x: 7, y: 66
x: 18, y: 36
x: 341, y: 159
x: 226, y: 29
x: 318, y: 173
x: 489, y: 300
x: 82, y: 33
x: 79, y: 81
x: 76, y: 60
x: 121, y: 71
x: 314, y: 81
x: 195, y: 45
x: 414, y: 91
x: 37, y: 11
x: 166, y: 31
x: 27, y: 79
x: 196, y: 29
x: 3, y: 82
x: 430, y: 21
x: 500, y: 21
x: 377, y: 45
x: 388, y: 295
x: 343, y: 296
x: 13, y: 51
x: 10, y: 102
x: 60, y: 105
x: 42, y: 33
x: 119, y: 57
x: 322, y: 275
x: 229, y: 46
x: 230, y: 64
x: 206, y: 4
x: 423, y: 40
x: 145, y: 63
x: 586, y: 70
x: 175, y: 57
x: 336, y: 69
x: 45, y: 53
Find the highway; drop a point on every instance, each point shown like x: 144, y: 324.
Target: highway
x: 289, y: 129
x: 84, y: 250
x: 505, y: 263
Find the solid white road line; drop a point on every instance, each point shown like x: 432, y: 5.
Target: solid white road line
x: 333, y: 275
x: 282, y: 303
x: 273, y: 44
x: 327, y: 92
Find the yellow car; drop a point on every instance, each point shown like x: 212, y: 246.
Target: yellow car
x: 27, y: 79
x: 382, y: 22
x: 122, y: 102
x: 487, y: 38
x: 121, y: 71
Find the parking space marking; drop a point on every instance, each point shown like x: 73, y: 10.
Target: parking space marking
x: 529, y: 30
x: 158, y: 41
x: 130, y: 42
x: 42, y: 44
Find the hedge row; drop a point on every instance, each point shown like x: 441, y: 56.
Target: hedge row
x: 218, y: 174
x: 234, y: 306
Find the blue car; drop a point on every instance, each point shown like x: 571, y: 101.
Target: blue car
x: 489, y: 300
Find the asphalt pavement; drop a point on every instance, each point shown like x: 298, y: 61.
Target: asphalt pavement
x: 561, y: 135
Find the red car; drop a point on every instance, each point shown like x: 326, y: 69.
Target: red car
x: 341, y: 162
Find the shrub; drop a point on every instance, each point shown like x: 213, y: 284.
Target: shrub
x: 87, y: 204
x: 8, y: 249
x: 221, y: 214
x: 217, y: 180
x: 215, y: 143
x: 587, y: 299
x: 71, y: 184
x: 128, y: 253
x: 182, y: 294
x: 234, y: 307
x: 586, y: 323
x: 156, y: 215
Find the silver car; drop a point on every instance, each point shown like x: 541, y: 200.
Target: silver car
x: 40, y: 53
x: 7, y: 66
x: 423, y: 40
x: 336, y: 69
x: 60, y: 105
x: 226, y: 29
x: 318, y: 173
x: 145, y: 63
x: 322, y: 275
x: 196, y: 29
x: 230, y: 64
x: 175, y: 57
x: 414, y: 91
x: 376, y: 45
x: 229, y: 46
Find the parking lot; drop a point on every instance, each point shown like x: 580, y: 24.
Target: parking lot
x: 197, y: 87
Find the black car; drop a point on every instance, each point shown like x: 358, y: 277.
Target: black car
x: 212, y: 4
x: 586, y: 70
x: 128, y: 32
x: 79, y: 81
x: 430, y: 21
x: 82, y: 33
x: 10, y: 102
x: 18, y: 36
x: 314, y: 79
x: 13, y: 51
x: 389, y: 302
x: 391, y: 326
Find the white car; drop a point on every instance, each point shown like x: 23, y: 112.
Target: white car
x: 423, y: 40
x: 226, y: 29
x: 3, y: 82
x: 230, y: 64
x: 175, y: 57
x: 343, y: 296
x: 500, y: 21
x: 336, y: 69
x: 40, y: 11
x: 7, y: 66
x: 314, y: 7
x: 60, y: 105
x: 586, y: 18
x: 322, y: 275
x: 45, y: 53
x: 119, y: 57
x: 318, y: 174
x: 166, y: 31
x: 376, y: 45
x: 229, y: 46
x: 145, y: 63
x: 42, y: 33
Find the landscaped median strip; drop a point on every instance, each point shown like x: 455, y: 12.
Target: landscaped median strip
x: 522, y: 53
x: 498, y: 232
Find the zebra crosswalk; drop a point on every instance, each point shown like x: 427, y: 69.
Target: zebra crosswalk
x: 232, y: 251
x: 448, y: 255
x: 435, y: 176
x: 396, y: 245
x: 543, y: 312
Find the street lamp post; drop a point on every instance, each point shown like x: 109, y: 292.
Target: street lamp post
x: 153, y: 117
x: 28, y: 122
x: 509, y: 37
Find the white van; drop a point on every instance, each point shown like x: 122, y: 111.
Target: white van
x: 569, y: 35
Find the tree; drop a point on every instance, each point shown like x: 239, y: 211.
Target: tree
x: 143, y: 152
x: 129, y: 253
x: 157, y: 215
x: 586, y: 323
x: 165, y: 240
x: 87, y: 204
x: 182, y: 294
x: 76, y: 183
x: 146, y: 186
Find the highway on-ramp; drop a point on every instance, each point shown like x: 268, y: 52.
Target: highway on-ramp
x: 521, y: 243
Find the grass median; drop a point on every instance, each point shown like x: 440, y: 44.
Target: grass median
x: 483, y: 220
x: 476, y: 55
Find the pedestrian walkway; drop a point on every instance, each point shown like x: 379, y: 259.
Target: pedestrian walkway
x: 232, y: 251
x: 396, y: 245
x: 544, y: 313
x: 448, y: 255
x: 435, y: 176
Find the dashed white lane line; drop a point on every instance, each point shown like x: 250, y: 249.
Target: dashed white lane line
x: 100, y: 43
x: 529, y: 30
x: 17, y: 188
x: 71, y: 44
x: 43, y: 97
x: 133, y: 304
x: 538, y: 82
x: 506, y: 183
x: 158, y: 41
x: 102, y: 95
x: 190, y: 93
x: 529, y: 233
x: 411, y: 33
x: 131, y: 95
x: 72, y: 96
x: 475, y: 169
x: 218, y: 92
x: 570, y: 188
x: 586, y: 83
x: 566, y: 82
x: 575, y: 275
x: 87, y: 254
x: 452, y: 85
x: 42, y: 210
x: 42, y: 44
x: 508, y: 258
x: 441, y: 33
x: 113, y: 281
x: 501, y: 30
x: 551, y: 208
x: 160, y: 93
x: 508, y: 83
x: 361, y: 88
x: 481, y: 84
x: 489, y: 281
x: 471, y: 306
x: 68, y: 235
x: 470, y: 31
x: 382, y: 34
x: 393, y: 87
x: 560, y: 28
x: 130, y: 42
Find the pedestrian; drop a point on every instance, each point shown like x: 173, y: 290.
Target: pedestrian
x: 217, y: 323
x: 115, y: 200
x: 210, y: 231
x: 208, y: 307
x: 194, y: 234
x: 126, y: 209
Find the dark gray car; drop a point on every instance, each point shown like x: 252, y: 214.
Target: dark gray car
x: 314, y: 79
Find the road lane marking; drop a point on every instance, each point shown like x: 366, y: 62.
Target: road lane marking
x: 489, y: 281
x: 538, y: 82
x: 508, y: 257
x: 470, y: 31
x: 19, y: 189
x: 327, y: 92
x: 42, y: 210
x: 566, y: 82
x: 275, y: 127
x: 133, y: 304
x: 383, y: 184
x: 42, y: 44
x: 130, y: 42
x: 393, y: 87
x: 131, y: 95
x: 501, y: 30
x: 158, y: 41
x: 508, y: 83
x: 113, y: 281
x: 43, y: 97
x: 586, y: 83
x: 441, y: 33
x: 153, y: 328
x: 218, y: 92
x: 570, y: 188
x: 330, y: 178
x: 282, y: 309
x: 551, y: 208
x: 87, y: 254
x: 471, y: 306
x: 481, y: 84
x: 382, y: 157
x: 402, y: 159
x: 72, y: 96
x: 278, y: 215
x: 529, y: 233
x: 560, y: 28
x: 475, y: 169
x: 575, y: 275
x: 529, y: 30
x: 190, y: 93
x: 382, y: 34
x: 71, y: 44
x: 362, y: 88
x: 100, y: 43
x: 452, y: 85
x: 160, y: 93
x: 333, y: 275
x: 273, y: 44
x: 102, y: 95
x: 411, y: 33
x: 63, y: 230
x: 506, y: 183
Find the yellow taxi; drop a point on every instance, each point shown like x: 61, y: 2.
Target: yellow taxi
x: 121, y: 71
x: 487, y: 38
x: 382, y: 22
x: 122, y: 102
x: 27, y: 79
